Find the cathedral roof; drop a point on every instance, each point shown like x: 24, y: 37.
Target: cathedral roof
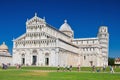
x: 3, y: 46
x: 65, y: 27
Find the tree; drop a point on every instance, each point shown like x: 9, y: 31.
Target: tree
x: 111, y: 61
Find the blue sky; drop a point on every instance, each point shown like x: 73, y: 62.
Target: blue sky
x: 84, y: 16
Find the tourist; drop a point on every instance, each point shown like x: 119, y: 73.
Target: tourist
x: 93, y: 68
x: 64, y: 67
x: 98, y: 69
x: 4, y: 66
x: 104, y: 68
x: 78, y: 68
x: 70, y: 68
x: 58, y: 68
x: 111, y: 69
x: 18, y: 66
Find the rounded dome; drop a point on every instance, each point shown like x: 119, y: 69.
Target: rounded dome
x: 3, y: 46
x: 65, y: 27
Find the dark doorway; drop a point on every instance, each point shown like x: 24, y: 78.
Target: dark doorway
x: 46, y: 61
x: 34, y: 60
x: 23, y: 61
x: 91, y: 63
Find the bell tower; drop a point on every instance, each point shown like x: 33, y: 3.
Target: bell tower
x: 103, y: 37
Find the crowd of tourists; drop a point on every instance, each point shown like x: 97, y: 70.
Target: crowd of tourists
x: 93, y: 68
x: 64, y: 68
x: 67, y: 68
x: 103, y: 69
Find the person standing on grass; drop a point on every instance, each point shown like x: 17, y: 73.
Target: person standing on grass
x: 111, y: 69
x: 58, y: 68
x: 78, y: 68
x: 64, y: 67
x: 93, y: 68
x: 104, y: 67
x: 70, y: 68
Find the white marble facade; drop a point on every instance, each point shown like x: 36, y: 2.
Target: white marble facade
x: 44, y: 45
x: 5, y: 56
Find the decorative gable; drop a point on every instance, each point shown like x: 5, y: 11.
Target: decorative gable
x: 35, y: 20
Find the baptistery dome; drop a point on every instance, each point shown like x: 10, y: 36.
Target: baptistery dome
x: 3, y: 47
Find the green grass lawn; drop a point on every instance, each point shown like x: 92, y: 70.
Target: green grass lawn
x: 45, y: 73
x: 34, y: 73
x: 117, y: 69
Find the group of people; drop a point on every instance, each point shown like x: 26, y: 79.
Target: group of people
x: 94, y: 69
x: 4, y: 66
x: 65, y: 68
x: 18, y: 66
x: 102, y: 69
x: 68, y: 68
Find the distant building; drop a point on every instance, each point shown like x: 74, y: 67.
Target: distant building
x: 44, y: 45
x: 5, y: 57
x: 117, y: 60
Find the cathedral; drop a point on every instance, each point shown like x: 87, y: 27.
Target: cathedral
x: 44, y: 45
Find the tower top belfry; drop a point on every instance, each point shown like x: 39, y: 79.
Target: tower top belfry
x: 103, y: 29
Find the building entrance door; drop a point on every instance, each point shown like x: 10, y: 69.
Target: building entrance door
x: 34, y: 60
x: 23, y: 61
x: 47, y: 61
